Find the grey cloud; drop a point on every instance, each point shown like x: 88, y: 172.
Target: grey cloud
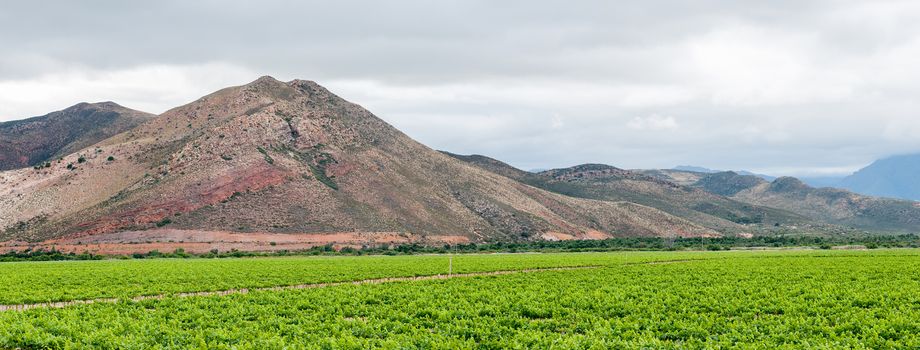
x: 760, y: 85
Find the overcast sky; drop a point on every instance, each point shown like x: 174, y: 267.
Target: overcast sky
x: 779, y: 87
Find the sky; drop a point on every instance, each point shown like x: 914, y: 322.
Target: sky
x: 804, y: 88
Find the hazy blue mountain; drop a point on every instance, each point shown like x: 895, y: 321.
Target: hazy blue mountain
x: 896, y: 177
x: 696, y: 169
x: 823, y: 181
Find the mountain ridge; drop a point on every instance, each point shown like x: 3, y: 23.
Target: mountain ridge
x: 38, y: 140
x: 605, y: 182
x: 699, y: 169
x: 830, y: 205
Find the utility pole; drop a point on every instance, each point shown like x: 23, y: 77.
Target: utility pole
x: 450, y: 265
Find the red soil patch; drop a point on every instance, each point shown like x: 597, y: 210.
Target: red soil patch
x: 594, y: 234
x: 560, y: 236
x: 196, y: 241
x: 557, y: 236
x: 253, y: 179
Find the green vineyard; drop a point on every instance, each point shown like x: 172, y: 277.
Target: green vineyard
x: 788, y: 299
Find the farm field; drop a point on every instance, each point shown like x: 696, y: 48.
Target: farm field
x: 793, y: 299
x: 37, y: 282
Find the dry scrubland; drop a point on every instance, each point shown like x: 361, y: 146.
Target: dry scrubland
x: 794, y: 299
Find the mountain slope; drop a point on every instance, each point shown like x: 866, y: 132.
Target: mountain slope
x: 698, y: 169
x: 34, y: 141
x: 828, y: 205
x: 604, y: 182
x: 894, y: 177
x: 276, y: 157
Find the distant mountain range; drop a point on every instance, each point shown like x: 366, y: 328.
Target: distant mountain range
x: 893, y: 177
x: 828, y: 205
x: 608, y: 183
x: 264, y: 165
x: 699, y: 169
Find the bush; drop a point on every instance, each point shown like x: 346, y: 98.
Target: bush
x: 164, y: 222
x: 110, y: 158
x: 265, y: 155
x: 180, y: 253
x: 320, y: 174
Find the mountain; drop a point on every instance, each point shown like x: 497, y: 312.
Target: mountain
x: 762, y: 176
x: 272, y: 158
x: 727, y: 183
x: 895, y: 177
x: 697, y: 169
x: 828, y: 205
x: 35, y: 141
x: 608, y: 183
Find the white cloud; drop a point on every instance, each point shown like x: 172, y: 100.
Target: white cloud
x: 653, y: 122
x: 557, y: 122
x: 752, y: 65
x: 524, y: 91
x: 151, y: 88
